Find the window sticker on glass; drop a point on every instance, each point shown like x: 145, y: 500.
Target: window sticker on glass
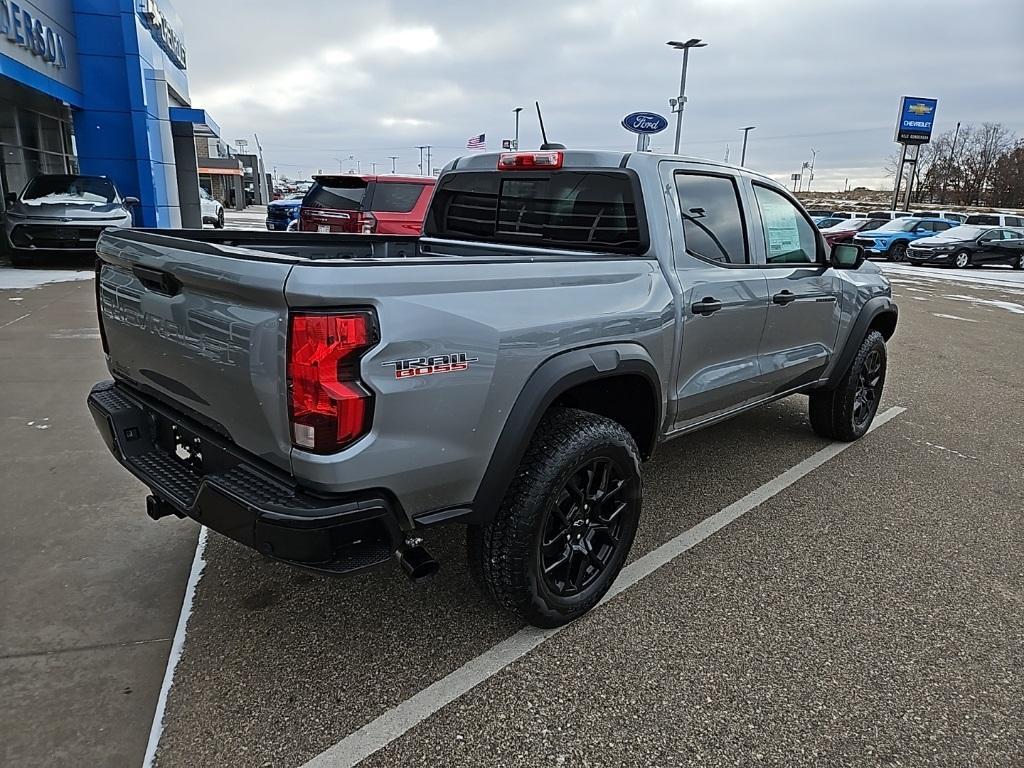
x: 780, y: 226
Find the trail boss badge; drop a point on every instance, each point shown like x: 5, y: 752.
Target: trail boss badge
x: 424, y: 366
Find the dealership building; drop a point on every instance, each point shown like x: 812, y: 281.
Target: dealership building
x: 100, y: 87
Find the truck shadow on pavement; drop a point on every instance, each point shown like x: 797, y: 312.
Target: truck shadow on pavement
x: 280, y: 663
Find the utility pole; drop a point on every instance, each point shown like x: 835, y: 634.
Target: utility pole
x: 429, y: 170
x: 743, y: 154
x: 810, y: 178
x: 515, y: 142
x: 678, y: 103
x: 421, y: 148
x: 392, y: 158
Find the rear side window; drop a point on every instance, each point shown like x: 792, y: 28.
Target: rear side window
x: 713, y: 225
x: 1014, y: 221
x: 983, y: 220
x: 395, y: 197
x: 592, y: 210
x: 941, y: 226
x: 342, y: 194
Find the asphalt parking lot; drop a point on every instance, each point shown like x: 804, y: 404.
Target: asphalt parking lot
x: 867, y: 611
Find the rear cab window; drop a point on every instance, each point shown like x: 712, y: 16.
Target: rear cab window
x: 597, y: 210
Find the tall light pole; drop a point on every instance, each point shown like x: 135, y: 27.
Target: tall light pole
x: 743, y: 154
x: 515, y: 142
x: 421, y: 147
x: 678, y: 104
x: 392, y: 158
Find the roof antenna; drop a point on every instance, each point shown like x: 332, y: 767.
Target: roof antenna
x: 544, y: 135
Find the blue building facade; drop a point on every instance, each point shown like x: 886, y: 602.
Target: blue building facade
x: 102, y: 86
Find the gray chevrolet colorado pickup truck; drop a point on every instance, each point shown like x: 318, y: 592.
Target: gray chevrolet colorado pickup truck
x: 324, y: 398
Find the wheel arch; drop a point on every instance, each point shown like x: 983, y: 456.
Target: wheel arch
x: 615, y: 380
x: 878, y: 314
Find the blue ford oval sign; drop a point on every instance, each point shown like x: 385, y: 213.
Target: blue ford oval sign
x: 644, y: 122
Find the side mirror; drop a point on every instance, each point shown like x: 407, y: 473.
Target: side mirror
x: 846, y: 256
x: 130, y: 201
x: 11, y: 198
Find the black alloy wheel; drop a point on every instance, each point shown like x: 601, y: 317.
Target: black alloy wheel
x: 898, y: 251
x: 582, y: 531
x: 869, y: 388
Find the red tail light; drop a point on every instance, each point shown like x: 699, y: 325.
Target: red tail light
x: 330, y: 407
x: 513, y: 161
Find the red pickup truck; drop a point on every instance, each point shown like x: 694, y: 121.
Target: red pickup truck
x: 382, y: 205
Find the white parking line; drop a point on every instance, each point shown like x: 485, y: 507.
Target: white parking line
x: 394, y: 723
x: 177, y: 645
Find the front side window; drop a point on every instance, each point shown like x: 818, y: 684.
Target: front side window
x: 788, y: 237
x: 713, y: 226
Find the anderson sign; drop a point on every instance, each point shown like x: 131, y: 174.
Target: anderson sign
x: 21, y: 28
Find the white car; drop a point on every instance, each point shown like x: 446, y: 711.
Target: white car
x: 995, y: 220
x: 213, y: 211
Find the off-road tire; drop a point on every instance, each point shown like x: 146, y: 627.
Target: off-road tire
x: 504, y: 555
x: 832, y: 412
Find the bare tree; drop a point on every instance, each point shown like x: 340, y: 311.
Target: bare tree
x: 1008, y: 178
x: 983, y: 148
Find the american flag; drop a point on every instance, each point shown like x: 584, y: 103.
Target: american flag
x: 476, y: 142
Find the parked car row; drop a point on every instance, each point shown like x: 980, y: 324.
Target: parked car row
x: 892, y: 239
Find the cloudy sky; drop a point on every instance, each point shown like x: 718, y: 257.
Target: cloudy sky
x: 323, y: 80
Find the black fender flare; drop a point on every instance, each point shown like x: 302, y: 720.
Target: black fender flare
x: 873, y: 309
x: 555, y: 376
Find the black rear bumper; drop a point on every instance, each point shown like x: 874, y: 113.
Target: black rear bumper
x: 219, y: 486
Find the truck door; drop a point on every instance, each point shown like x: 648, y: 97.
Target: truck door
x: 724, y: 295
x: 803, y: 313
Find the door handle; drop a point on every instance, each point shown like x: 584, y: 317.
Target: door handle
x: 706, y: 306
x: 783, y: 298
x: 156, y: 280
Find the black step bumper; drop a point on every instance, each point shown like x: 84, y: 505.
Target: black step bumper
x: 226, y: 490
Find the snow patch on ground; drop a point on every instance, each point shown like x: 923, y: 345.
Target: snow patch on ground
x: 20, y: 279
x: 953, y: 317
x: 1009, y: 306
x: 995, y: 276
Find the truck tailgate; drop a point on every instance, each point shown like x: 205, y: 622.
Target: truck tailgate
x: 203, y: 329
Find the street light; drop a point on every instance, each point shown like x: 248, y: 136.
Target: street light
x: 743, y: 154
x: 678, y: 104
x: 515, y: 144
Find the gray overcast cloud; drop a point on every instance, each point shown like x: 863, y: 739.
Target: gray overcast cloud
x: 319, y: 81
